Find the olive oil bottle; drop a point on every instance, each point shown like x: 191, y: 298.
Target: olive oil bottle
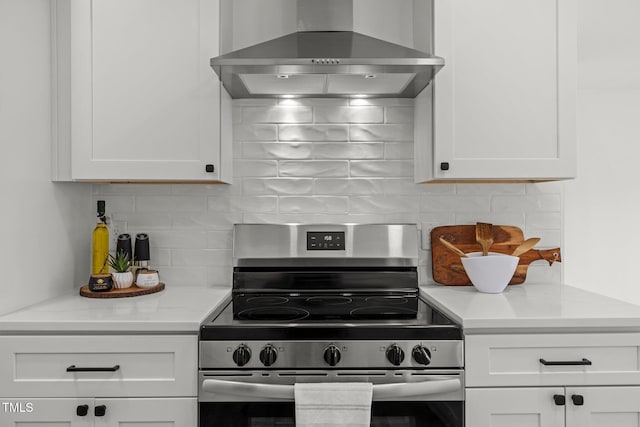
x: 100, y: 243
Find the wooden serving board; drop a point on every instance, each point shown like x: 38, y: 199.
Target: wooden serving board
x: 447, y: 268
x: 132, y: 291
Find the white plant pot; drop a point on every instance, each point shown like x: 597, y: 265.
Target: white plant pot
x: 122, y: 280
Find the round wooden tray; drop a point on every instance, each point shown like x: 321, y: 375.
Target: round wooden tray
x: 133, y: 291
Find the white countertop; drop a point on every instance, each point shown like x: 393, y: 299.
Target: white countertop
x: 175, y: 309
x: 527, y: 308
x: 533, y: 307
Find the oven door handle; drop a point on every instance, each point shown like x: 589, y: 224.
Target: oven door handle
x: 380, y: 391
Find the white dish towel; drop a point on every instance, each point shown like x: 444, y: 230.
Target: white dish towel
x: 333, y: 404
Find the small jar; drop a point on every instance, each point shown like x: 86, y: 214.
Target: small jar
x: 100, y: 282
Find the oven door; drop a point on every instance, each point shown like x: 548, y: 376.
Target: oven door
x: 265, y: 399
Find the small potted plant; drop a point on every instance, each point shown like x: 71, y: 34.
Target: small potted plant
x: 120, y: 263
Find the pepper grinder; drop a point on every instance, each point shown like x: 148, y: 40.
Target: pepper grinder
x: 124, y: 245
x: 141, y: 253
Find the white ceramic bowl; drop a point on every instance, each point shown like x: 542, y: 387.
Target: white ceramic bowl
x: 491, y: 273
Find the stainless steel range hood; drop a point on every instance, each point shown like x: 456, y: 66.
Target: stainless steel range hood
x: 325, y: 63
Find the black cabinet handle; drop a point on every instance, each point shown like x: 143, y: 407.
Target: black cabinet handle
x: 559, y: 399
x: 566, y: 363
x: 577, y: 399
x: 444, y: 166
x: 74, y: 368
x: 209, y: 168
x: 82, y: 410
x: 100, y: 410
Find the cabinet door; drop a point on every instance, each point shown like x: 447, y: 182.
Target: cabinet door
x: 148, y: 412
x: 603, y: 407
x: 45, y: 413
x: 504, y: 103
x: 145, y: 104
x: 509, y: 407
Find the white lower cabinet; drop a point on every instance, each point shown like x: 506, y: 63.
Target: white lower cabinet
x: 553, y: 407
x: 552, y: 380
x: 162, y: 412
x: 98, y: 381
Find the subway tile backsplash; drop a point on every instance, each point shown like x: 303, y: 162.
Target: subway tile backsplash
x: 321, y: 161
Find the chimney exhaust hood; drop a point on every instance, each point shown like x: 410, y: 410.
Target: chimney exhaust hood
x: 329, y: 62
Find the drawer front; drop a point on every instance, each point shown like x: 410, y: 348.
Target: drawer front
x: 567, y: 359
x: 106, y: 366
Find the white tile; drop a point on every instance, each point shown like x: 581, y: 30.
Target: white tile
x: 206, y: 220
x: 543, y: 220
x: 177, y: 276
x: 545, y: 188
x: 398, y: 151
x: 160, y: 257
x: 398, y: 115
x: 348, y: 186
x: 277, y: 114
x: 383, y: 204
x: 313, y: 168
x: 436, y: 203
x: 130, y: 189
x: 285, y: 186
x: 222, y: 239
x: 313, y: 132
x: 192, y: 239
x: 250, y: 168
x: 538, y: 203
x: 243, y: 204
x: 156, y: 204
x: 276, y: 150
x: 314, y: 204
x: 251, y: 132
x: 201, y: 257
x: 219, y: 276
x: 150, y: 221
x: 382, y: 168
x: 474, y: 189
x: 390, y: 132
x: 352, y: 114
x: 408, y: 186
x: 202, y: 189
x: 348, y: 150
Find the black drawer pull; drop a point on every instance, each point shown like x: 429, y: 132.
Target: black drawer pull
x: 566, y: 363
x: 100, y: 410
x: 559, y: 399
x: 577, y: 399
x: 74, y: 368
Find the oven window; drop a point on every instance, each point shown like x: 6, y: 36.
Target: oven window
x: 383, y: 414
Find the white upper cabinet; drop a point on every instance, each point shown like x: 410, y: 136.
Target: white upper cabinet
x: 504, y: 103
x: 144, y: 104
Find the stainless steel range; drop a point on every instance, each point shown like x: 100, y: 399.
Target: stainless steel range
x: 328, y: 303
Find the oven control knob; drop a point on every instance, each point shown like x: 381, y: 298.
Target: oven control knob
x: 242, y: 355
x: 395, y: 354
x: 268, y: 355
x: 332, y: 355
x: 421, y: 354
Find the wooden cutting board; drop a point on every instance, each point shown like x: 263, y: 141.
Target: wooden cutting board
x: 447, y: 268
